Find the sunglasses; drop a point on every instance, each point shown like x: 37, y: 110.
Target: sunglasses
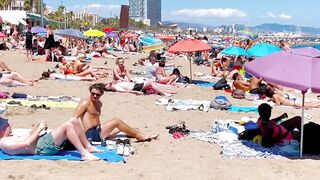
x: 95, y: 94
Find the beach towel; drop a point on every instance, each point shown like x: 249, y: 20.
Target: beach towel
x: 29, y: 103
x: 203, y: 83
x: 225, y: 134
x: 107, y: 155
x: 183, y: 105
x: 235, y: 108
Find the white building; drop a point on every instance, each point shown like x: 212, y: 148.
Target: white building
x: 86, y: 15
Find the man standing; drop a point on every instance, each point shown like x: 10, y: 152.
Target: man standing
x: 88, y: 114
x: 29, y: 44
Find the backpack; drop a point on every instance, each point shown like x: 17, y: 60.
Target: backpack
x: 221, y: 84
x: 184, y: 79
x: 238, y: 94
x: 220, y: 103
x: 311, y: 143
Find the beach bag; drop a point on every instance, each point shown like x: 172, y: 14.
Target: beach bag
x: 221, y: 84
x: 184, y: 79
x: 220, y: 103
x: 238, y: 94
x: 3, y: 95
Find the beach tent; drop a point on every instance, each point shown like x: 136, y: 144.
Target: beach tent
x: 235, y: 51
x: 260, y: 50
x: 283, y: 67
x: 189, y: 46
x: 94, y: 33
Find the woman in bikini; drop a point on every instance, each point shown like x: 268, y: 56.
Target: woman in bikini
x: 120, y: 72
x: 161, y: 75
x: 279, y: 99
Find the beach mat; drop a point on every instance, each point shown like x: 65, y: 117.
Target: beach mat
x: 52, y: 104
x: 107, y: 155
x: 235, y: 108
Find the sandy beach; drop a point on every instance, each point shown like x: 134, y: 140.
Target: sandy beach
x: 165, y: 158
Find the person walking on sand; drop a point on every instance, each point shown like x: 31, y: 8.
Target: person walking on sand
x: 88, y: 114
x: 29, y: 44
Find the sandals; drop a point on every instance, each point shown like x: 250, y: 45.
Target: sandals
x: 124, y: 147
x: 43, y: 106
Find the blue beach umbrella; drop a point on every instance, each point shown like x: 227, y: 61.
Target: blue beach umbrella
x: 70, y: 33
x: 260, y: 50
x: 235, y: 51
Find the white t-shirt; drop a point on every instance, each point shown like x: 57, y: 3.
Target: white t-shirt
x: 150, y: 70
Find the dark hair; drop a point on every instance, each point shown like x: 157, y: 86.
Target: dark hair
x: 60, y: 58
x: 45, y: 74
x: 98, y: 86
x: 162, y: 63
x: 265, y: 111
x: 235, y: 76
x: 269, y: 92
x: 176, y: 71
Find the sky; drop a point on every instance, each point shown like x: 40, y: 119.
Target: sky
x: 213, y: 12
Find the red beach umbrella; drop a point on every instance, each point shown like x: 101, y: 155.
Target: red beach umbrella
x: 166, y: 37
x: 109, y: 29
x: 189, y: 46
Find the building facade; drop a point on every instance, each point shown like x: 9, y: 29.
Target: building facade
x: 136, y: 9
x: 86, y: 15
x: 154, y: 11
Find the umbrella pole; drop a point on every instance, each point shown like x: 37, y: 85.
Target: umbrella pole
x: 302, y: 122
x: 190, y: 69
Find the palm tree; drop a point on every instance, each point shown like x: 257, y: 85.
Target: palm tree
x: 27, y: 5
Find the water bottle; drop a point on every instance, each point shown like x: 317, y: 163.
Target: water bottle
x: 103, y: 143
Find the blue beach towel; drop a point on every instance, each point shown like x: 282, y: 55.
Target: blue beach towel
x: 203, y: 83
x: 107, y: 155
x: 235, y: 108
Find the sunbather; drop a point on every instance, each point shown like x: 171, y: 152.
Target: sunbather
x: 88, y: 113
x: 14, y: 78
x: 53, y: 75
x: 280, y: 99
x: 272, y: 132
x: 238, y: 82
x: 161, y: 75
x: 136, y: 88
x: 120, y: 72
x: 50, y: 143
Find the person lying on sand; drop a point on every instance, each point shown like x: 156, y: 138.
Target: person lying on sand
x: 50, y: 143
x: 15, y: 79
x: 136, y: 88
x: 88, y: 113
x: 280, y: 99
x: 53, y: 75
x: 239, y: 84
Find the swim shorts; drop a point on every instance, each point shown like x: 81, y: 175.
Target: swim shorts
x: 93, y: 134
x: 138, y: 87
x: 45, y: 145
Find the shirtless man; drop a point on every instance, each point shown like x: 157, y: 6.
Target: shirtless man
x: 238, y: 82
x: 88, y: 115
x: 136, y: 88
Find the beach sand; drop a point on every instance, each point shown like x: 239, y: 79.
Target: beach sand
x: 164, y: 158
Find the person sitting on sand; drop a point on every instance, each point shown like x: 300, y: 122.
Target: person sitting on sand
x: 48, y: 144
x: 120, y: 72
x: 66, y: 67
x: 238, y: 82
x: 272, y: 132
x: 15, y: 79
x: 88, y: 113
x: 136, y: 88
x: 280, y: 99
x: 161, y: 75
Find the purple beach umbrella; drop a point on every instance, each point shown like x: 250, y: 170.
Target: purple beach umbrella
x: 38, y: 29
x: 296, y: 68
x: 112, y: 34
